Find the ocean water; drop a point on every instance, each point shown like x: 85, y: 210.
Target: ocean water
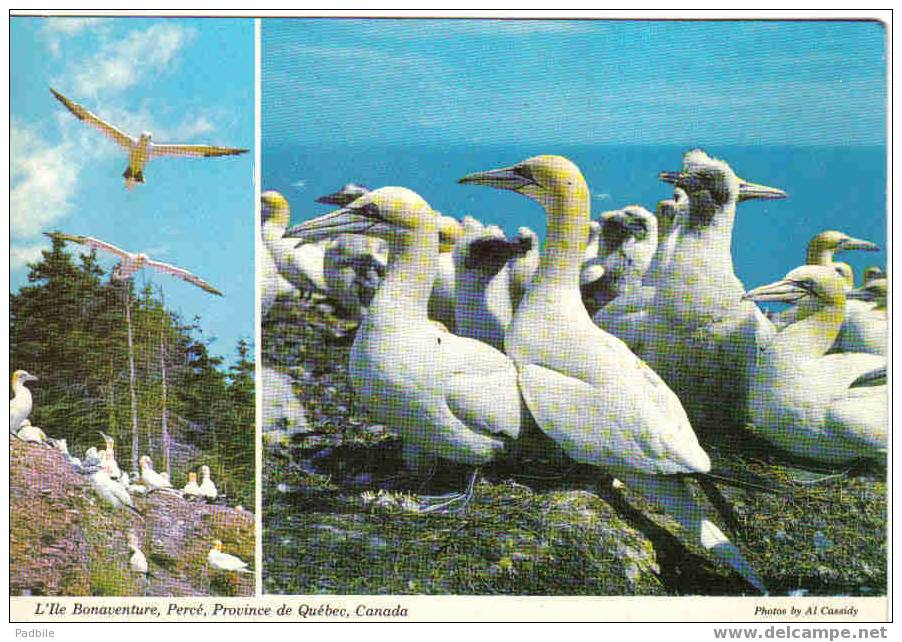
x: 842, y: 188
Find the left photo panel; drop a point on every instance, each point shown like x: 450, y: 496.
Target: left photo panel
x: 131, y: 330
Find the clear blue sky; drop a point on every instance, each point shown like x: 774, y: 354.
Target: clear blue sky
x: 186, y: 81
x: 572, y: 82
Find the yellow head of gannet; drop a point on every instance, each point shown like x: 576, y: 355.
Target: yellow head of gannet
x: 275, y: 209
x: 191, y: 489
x: 20, y: 404
x: 808, y: 403
x: 584, y: 388
x: 822, y: 247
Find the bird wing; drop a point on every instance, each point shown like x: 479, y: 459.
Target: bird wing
x: 618, y: 428
x: 200, y: 151
x: 481, y: 386
x: 121, y: 138
x: 90, y: 241
x: 185, y: 275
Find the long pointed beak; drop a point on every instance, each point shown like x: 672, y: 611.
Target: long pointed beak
x: 784, y: 291
x: 336, y: 198
x: 342, y: 221
x: 862, y: 294
x: 670, y: 177
x: 31, y: 377
x: 858, y: 244
x: 104, y: 435
x: 503, y: 178
x: 748, y: 191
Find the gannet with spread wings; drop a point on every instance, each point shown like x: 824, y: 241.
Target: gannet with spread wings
x: 141, y: 150
x: 131, y: 262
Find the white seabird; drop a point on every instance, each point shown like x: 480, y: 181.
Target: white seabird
x: 111, y: 491
x: 702, y: 338
x: 449, y: 397
x: 225, y: 562
x: 21, y: 403
x: 483, y: 307
x: 865, y: 327
x: 300, y: 265
x: 207, y: 488
x: 131, y: 262
x: 152, y: 479
x: 584, y: 387
x: 522, y: 268
x: 31, y: 434
x: 141, y: 150
x: 138, y: 562
x: 817, y: 405
x: 353, y: 266
x: 191, y: 489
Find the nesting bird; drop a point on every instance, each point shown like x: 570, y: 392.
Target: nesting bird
x: 823, y: 407
x: 354, y: 265
x: 701, y: 336
x: 152, y: 479
x: 141, y: 149
x: 191, y: 489
x: 111, y: 491
x: 225, y: 562
x: 207, y: 489
x: 21, y: 403
x: 584, y: 387
x: 301, y: 266
x: 31, y: 434
x: 450, y: 397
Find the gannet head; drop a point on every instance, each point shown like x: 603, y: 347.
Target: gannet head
x: 712, y: 185
x: 872, y: 273
x: 540, y: 178
x: 21, y: 376
x: 110, y: 444
x: 146, y: 136
x: 832, y: 242
x: 384, y: 212
x: 217, y: 545
x: 274, y: 208
x: 846, y: 272
x: 205, y: 471
x: 486, y: 248
x: 873, y: 292
x: 345, y: 196
x: 633, y: 221
x: 810, y: 287
x: 145, y: 463
x: 192, y: 477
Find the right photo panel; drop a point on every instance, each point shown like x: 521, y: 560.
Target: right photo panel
x: 574, y: 307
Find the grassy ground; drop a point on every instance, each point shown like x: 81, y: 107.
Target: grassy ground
x: 64, y: 540
x: 338, y: 514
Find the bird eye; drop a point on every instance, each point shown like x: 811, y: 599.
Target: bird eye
x: 524, y: 172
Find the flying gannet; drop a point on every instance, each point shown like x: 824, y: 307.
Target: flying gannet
x: 207, y: 488
x: 482, y: 281
x: 20, y: 404
x: 225, y: 562
x: 629, y: 238
x: 584, y: 387
x: 300, y: 265
x: 449, y: 397
x: 131, y: 262
x: 141, y: 150
x: 701, y: 336
x: 808, y: 402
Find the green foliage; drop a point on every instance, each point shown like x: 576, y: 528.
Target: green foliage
x: 68, y: 327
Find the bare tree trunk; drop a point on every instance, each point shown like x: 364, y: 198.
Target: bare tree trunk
x: 131, y: 378
x: 163, y: 371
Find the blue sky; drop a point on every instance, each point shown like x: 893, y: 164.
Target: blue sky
x: 572, y: 82
x: 186, y: 81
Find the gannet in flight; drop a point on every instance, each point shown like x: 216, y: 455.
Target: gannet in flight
x: 225, y: 562
x: 207, y: 488
x: 131, y: 262
x: 701, y: 337
x: 808, y: 402
x: 522, y: 267
x: 20, y: 404
x: 191, y: 489
x: 482, y: 281
x: 450, y: 397
x: 141, y: 150
x: 629, y: 238
x: 584, y: 387
x: 152, y: 479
